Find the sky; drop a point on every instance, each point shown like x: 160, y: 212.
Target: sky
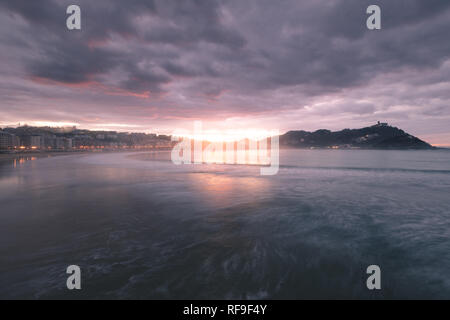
x: 159, y: 65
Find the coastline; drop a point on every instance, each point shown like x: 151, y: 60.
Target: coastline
x: 12, y: 156
x: 285, y: 147
x: 6, y: 158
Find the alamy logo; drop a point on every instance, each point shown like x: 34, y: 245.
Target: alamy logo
x: 73, y: 22
x: 74, y: 281
x: 374, y: 20
x: 374, y: 280
x: 254, y: 148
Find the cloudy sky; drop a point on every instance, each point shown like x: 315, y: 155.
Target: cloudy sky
x: 290, y: 64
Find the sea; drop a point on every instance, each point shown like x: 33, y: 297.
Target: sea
x: 141, y: 227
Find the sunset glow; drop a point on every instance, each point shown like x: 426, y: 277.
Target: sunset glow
x: 227, y: 135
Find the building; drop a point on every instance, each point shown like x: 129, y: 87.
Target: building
x: 381, y: 124
x: 58, y: 143
x: 68, y: 143
x: 31, y: 142
x: 49, y: 142
x: 8, y: 141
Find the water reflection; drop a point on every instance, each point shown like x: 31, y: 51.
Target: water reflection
x: 221, y: 190
x: 22, y: 160
x: 243, y: 157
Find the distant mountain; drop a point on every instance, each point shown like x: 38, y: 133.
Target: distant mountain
x: 379, y: 136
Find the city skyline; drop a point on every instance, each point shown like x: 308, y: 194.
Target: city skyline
x: 380, y: 135
x: 154, y: 66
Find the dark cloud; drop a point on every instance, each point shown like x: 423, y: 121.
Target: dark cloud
x: 80, y: 56
x: 329, y: 45
x: 265, y: 44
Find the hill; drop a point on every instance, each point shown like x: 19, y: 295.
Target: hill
x: 379, y: 136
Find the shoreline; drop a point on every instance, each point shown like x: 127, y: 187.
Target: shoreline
x: 6, y: 158
x: 61, y: 153
x: 12, y: 156
x: 376, y: 149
